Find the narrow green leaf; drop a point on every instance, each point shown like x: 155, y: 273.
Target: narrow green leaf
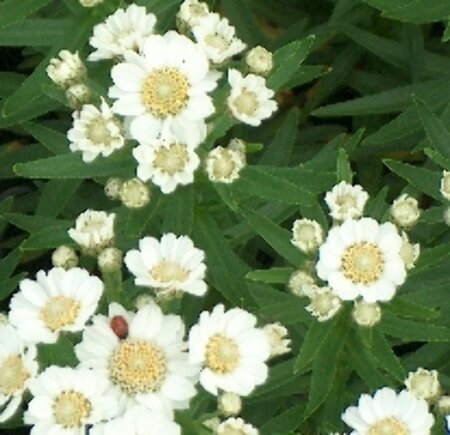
x: 343, y: 170
x: 435, y: 129
x: 8, y: 286
x: 287, y: 60
x: 179, y: 211
x: 70, y: 166
x: 32, y: 33
x: 12, y: 11
x: 404, y: 308
x: 34, y: 224
x: 9, y: 263
x: 137, y: 220
x: 55, y: 196
x: 278, y: 238
x: 46, y: 239
x: 275, y: 275
x: 53, y: 140
x: 283, y: 423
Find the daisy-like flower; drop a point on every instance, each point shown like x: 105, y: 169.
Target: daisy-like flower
x: 231, y: 349
x: 165, y: 88
x: 142, y: 356
x: 121, y: 32
x: 166, y: 161
x: 138, y: 421
x: 94, y: 230
x: 362, y: 258
x: 190, y: 13
x: 57, y: 301
x: 307, y: 235
x: 217, y: 38
x: 17, y: 367
x: 233, y: 426
x: 95, y: 132
x: 66, y: 69
x: 346, y: 201
x: 66, y: 400
x: 224, y: 165
x: 324, y: 303
x: 171, y: 265
x: 250, y: 100
x: 389, y: 413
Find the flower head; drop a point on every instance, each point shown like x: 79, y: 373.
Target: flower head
x: 250, y: 100
x: 362, y: 258
x: 229, y: 404
x: 409, y: 251
x: 278, y: 339
x: 301, y: 284
x: 346, y: 201
x: 232, y: 426
x: 307, y: 235
x: 423, y: 384
x: 190, y: 13
x: 66, y: 69
x: 445, y: 185
x: 134, y: 193
x: 405, y: 211
x: 259, y: 61
x: 389, y: 413
x: 65, y: 257
x: 324, y: 304
x: 366, y: 314
x: 231, y: 349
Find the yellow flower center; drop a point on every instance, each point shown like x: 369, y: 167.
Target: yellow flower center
x: 13, y: 375
x: 168, y: 271
x: 346, y: 202
x: 388, y: 426
x: 218, y: 42
x: 323, y: 303
x: 59, y: 312
x: 224, y: 164
x: 165, y: 92
x: 138, y: 366
x: 246, y: 103
x: 222, y: 354
x: 172, y: 159
x: 71, y: 409
x: 98, y: 133
x: 362, y: 263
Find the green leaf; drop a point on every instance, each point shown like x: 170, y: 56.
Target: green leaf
x: 12, y: 11
x: 413, y: 11
x: 8, y: 286
x: 422, y: 179
x: 48, y: 238
x: 435, y: 129
x: 53, y: 140
x: 404, y: 308
x: 226, y: 270
x: 9, y: 264
x: 343, y: 171
x: 284, y: 422
x: 70, y: 166
x: 137, y: 220
x: 55, y: 195
x: 34, y: 224
x: 286, y: 61
x: 278, y: 238
x: 179, y: 211
x: 61, y: 353
x: 275, y: 275
x: 32, y: 33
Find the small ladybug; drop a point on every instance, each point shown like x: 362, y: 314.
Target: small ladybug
x: 119, y: 326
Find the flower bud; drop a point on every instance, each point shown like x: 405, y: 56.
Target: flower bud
x: 423, y: 384
x: 223, y: 165
x: 66, y: 69
x: 324, y: 304
x: 3, y: 319
x: 64, y: 257
x: 405, y: 211
x: 443, y: 405
x: 278, y: 339
x: 307, y: 235
x: 190, y: 14
x: 90, y: 3
x: 346, y: 201
x: 366, y: 314
x: 212, y: 423
x: 110, y: 260
x: 78, y: 94
x: 134, y: 193
x: 229, y: 404
x: 445, y: 184
x: 234, y: 426
x: 409, y: 252
x: 259, y: 61
x: 301, y: 284
x: 112, y: 188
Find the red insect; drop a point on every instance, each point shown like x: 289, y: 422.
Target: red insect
x: 119, y: 326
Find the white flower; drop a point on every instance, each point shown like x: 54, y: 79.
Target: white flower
x: 121, y: 32
x: 142, y: 356
x: 17, y: 367
x: 362, y: 258
x: 443, y: 405
x: 224, y: 165
x: 232, y: 426
x: 110, y: 260
x: 259, y: 61
x: 94, y: 230
x: 138, y: 421
x: 66, y: 400
x: 90, y: 3
x: 389, y: 413
x: 301, y: 284
x: 231, y: 349
x: 65, y: 257
x: 3, y: 319
x: 409, y: 252
x: 217, y: 38
x: 307, y: 235
x: 405, y: 211
x: 112, y: 187
x: 423, y: 384
x: 134, y: 193
x: 164, y: 88
x: 190, y: 13
x: 66, y: 69
x: 95, y: 132
x: 447, y: 216
x: 366, y: 314
x: 78, y: 94
x: 229, y: 404
x: 346, y: 201
x: 250, y: 100
x: 57, y: 301
x: 445, y: 184
x: 324, y: 304
x: 167, y: 161
x: 278, y: 339
x: 170, y: 265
